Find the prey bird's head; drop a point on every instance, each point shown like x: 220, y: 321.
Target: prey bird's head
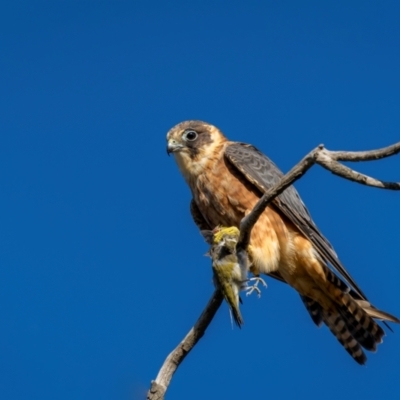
x: 223, y: 240
x: 193, y: 143
x: 228, y: 236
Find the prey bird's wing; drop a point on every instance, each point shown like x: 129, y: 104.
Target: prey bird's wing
x: 260, y: 171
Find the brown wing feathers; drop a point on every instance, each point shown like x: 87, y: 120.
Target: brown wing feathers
x: 263, y: 173
x: 351, y: 316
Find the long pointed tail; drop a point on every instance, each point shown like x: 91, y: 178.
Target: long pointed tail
x: 340, y: 329
x: 352, y: 323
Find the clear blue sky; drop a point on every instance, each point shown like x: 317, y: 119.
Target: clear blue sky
x: 102, y: 270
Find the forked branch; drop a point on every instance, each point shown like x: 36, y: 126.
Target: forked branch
x: 328, y: 160
x: 320, y: 155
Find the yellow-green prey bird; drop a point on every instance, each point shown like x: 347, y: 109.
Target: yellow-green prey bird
x: 230, y: 268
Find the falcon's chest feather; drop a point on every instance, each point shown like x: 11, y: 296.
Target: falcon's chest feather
x: 220, y: 194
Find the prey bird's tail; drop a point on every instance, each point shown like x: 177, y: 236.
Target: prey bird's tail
x: 232, y: 297
x: 237, y: 316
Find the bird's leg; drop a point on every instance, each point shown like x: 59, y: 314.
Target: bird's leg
x: 250, y: 289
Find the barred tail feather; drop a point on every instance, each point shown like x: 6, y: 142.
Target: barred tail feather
x: 351, y: 321
x: 363, y: 337
x: 339, y: 328
x: 376, y: 313
x: 363, y: 324
x: 335, y: 280
x: 314, y: 309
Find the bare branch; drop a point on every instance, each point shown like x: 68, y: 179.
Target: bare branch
x: 366, y: 155
x: 328, y: 160
x: 160, y: 385
x: 325, y: 160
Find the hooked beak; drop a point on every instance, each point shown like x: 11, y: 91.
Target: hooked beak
x: 173, y: 146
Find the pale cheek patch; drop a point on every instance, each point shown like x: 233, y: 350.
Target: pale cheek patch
x: 183, y: 161
x: 191, y: 168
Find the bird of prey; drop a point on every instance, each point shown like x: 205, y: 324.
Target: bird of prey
x: 226, y: 180
x: 230, y: 267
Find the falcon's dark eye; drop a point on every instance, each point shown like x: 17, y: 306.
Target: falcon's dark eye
x: 190, y: 135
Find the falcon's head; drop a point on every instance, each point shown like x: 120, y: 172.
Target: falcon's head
x: 193, y: 138
x: 193, y: 143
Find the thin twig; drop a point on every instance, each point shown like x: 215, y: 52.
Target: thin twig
x: 366, y: 155
x: 160, y: 384
x: 328, y: 160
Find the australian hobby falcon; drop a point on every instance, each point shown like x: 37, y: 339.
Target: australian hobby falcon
x: 226, y: 180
